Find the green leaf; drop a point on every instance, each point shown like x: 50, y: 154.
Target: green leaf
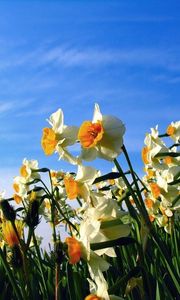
x: 111, y: 175
x: 123, y: 280
x: 158, y: 297
x: 163, y: 154
x: 110, y: 223
x: 43, y: 170
x: 118, y: 242
x: 71, y: 283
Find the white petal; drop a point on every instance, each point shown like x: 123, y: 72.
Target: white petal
x: 97, y: 114
x: 117, y: 231
x: 69, y: 135
x: 86, y: 174
x: 88, y: 154
x: 56, y: 120
x: 97, y: 263
x: 112, y: 140
x: 168, y: 213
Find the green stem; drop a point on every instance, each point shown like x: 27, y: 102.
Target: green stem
x: 66, y: 219
x: 142, y: 206
x: 57, y: 281
x: 52, y: 220
x: 45, y: 292
x: 135, y: 198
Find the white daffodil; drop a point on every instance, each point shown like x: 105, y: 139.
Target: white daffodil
x: 80, y: 185
x: 103, y: 223
x: 154, y: 146
x: 27, y: 175
x: 20, y: 188
x: 26, y: 170
x: 173, y: 131
x: 102, y: 137
x: 59, y: 137
x: 78, y: 248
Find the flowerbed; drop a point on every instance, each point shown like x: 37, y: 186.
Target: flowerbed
x: 122, y: 232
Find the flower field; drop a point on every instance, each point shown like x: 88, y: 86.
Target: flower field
x: 121, y: 237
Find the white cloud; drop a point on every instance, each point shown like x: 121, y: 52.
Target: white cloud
x: 69, y: 56
x: 6, y: 106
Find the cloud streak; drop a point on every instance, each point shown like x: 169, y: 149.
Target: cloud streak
x: 70, y: 57
x: 15, y: 105
x: 67, y: 56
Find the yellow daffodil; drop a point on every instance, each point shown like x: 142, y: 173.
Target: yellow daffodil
x: 102, y: 137
x: 9, y: 233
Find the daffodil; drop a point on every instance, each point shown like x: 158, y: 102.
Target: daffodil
x: 9, y: 234
x: 80, y: 185
x: 20, y: 183
x: 26, y: 170
x: 79, y: 249
x: 102, y: 137
x: 153, y: 146
x: 59, y: 137
x: 103, y: 223
x: 20, y: 189
x: 173, y: 130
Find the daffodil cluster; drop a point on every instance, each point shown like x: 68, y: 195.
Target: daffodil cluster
x: 162, y: 167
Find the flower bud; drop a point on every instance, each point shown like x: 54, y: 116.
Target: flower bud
x: 8, y: 211
x: 59, y: 252
x: 32, y: 217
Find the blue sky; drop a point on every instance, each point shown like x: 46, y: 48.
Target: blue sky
x: 124, y: 55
